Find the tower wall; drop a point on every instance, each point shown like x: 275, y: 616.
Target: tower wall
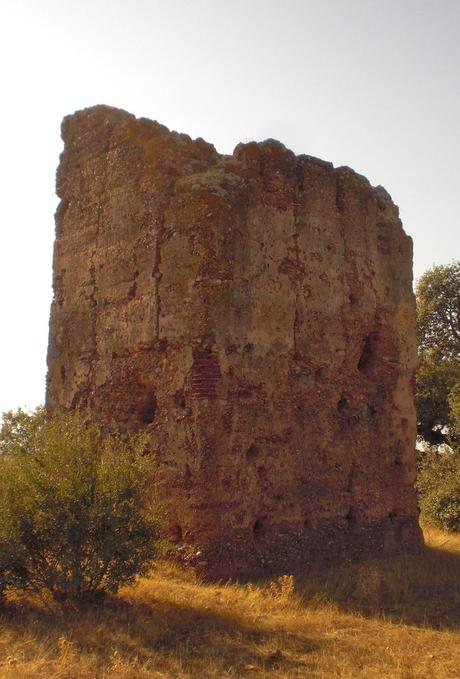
x: 254, y: 313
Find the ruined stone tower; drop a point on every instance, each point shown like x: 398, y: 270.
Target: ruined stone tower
x: 255, y: 314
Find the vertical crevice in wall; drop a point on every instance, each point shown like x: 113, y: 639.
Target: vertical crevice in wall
x: 369, y: 354
x: 148, y: 409
x: 259, y: 529
x: 298, y: 191
x: 156, y: 275
x: 350, y: 272
x: 93, y: 359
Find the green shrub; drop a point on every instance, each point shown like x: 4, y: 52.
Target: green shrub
x: 438, y: 488
x: 74, y: 514
x: 9, y: 568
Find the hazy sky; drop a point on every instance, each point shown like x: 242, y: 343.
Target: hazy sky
x: 373, y: 84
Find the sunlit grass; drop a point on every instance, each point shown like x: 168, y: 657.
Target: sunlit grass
x: 393, y: 618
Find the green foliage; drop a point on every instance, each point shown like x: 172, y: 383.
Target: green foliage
x: 436, y: 378
x: 12, y: 572
x: 18, y: 429
x: 454, y: 403
x: 438, y: 395
x: 438, y: 318
x: 74, y: 518
x: 438, y: 488
x: 438, y: 310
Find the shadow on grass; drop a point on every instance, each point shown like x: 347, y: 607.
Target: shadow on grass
x: 202, y: 642
x: 172, y: 623
x: 421, y: 590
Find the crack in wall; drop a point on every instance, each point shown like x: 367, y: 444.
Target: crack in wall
x: 93, y: 360
x: 295, y: 237
x: 156, y: 274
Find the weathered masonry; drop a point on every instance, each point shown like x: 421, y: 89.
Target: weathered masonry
x: 255, y: 314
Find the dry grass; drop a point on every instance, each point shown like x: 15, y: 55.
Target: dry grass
x: 398, y: 618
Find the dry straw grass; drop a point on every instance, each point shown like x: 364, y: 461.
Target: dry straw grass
x: 397, y: 618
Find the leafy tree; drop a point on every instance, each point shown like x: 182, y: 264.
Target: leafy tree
x: 438, y: 318
x: 438, y: 395
x: 18, y: 429
x: 74, y: 514
x: 436, y: 378
x: 438, y: 486
x: 438, y: 311
x: 454, y: 403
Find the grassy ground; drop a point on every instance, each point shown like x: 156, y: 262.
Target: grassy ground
x: 398, y: 618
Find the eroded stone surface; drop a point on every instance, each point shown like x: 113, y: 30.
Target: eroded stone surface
x: 255, y: 314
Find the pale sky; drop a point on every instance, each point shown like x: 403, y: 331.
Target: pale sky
x: 373, y: 84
